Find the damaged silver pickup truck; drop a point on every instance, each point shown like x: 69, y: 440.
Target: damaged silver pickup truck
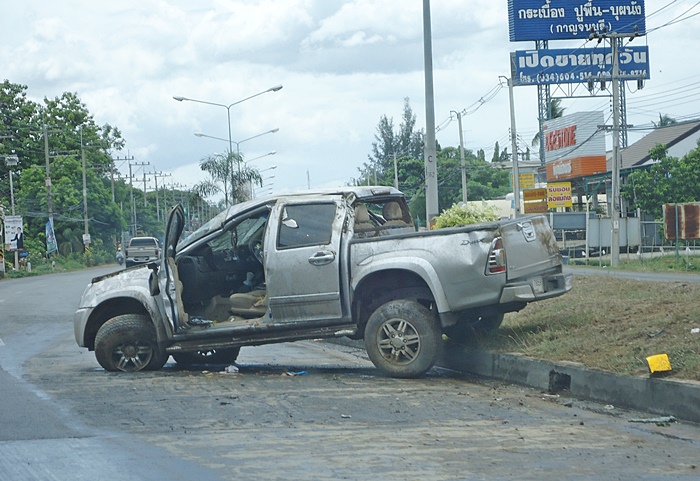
x: 313, y: 265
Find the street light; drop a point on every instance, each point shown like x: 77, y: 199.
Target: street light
x: 238, y: 144
x: 269, y: 168
x: 276, y: 88
x: 260, y: 157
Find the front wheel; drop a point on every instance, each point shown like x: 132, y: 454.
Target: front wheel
x: 209, y: 356
x: 402, y: 338
x: 128, y: 343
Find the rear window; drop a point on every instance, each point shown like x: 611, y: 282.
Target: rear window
x: 143, y: 242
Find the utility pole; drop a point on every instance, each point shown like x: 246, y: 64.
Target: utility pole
x: 514, y: 146
x: 615, y: 234
x: 49, y: 198
x: 461, y: 157
x: 615, y: 39
x: 429, y: 150
x: 145, y: 203
x: 114, y: 159
x: 155, y: 177
x: 131, y: 190
x: 86, y: 233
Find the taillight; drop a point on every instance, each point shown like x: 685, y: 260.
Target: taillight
x: 497, y: 257
x: 157, y: 254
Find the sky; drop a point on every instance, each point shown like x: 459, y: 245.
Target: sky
x: 343, y: 64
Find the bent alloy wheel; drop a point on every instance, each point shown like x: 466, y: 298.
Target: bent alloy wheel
x: 128, y: 343
x: 402, y: 338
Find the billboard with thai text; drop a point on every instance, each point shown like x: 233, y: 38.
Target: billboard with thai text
x: 573, y: 19
x: 574, y: 145
x: 559, y: 195
x: 576, y: 65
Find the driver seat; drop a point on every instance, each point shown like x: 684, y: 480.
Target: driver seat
x: 249, y: 304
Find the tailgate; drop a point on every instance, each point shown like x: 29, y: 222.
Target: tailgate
x: 530, y: 246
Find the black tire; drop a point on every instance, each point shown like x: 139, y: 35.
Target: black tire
x: 128, y: 343
x: 403, y: 339
x: 466, y: 329
x: 210, y: 356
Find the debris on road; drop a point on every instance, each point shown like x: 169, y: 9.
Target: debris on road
x: 659, y: 363
x: 297, y: 373
x: 232, y: 369
x: 659, y: 421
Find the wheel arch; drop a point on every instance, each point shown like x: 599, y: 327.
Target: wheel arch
x: 113, y: 307
x: 382, y: 286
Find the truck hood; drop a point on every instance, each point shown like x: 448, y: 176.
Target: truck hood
x: 110, y: 285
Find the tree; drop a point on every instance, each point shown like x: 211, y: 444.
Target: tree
x: 555, y: 111
x: 664, y: 121
x: 230, y: 169
x: 670, y: 180
x: 405, y: 143
x: 496, y: 153
x: 70, y: 131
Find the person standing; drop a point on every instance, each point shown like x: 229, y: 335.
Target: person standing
x: 19, y: 239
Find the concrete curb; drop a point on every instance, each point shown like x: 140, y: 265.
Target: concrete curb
x: 653, y: 395
x: 658, y: 396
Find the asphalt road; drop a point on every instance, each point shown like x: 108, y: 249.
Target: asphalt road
x: 306, y: 410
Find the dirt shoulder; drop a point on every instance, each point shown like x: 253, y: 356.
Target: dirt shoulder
x: 609, y: 323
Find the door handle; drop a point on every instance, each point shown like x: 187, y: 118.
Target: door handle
x: 321, y: 258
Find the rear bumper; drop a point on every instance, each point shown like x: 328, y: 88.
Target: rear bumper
x: 537, y: 288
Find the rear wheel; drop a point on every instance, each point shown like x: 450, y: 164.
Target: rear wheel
x: 128, y: 343
x: 209, y: 356
x: 402, y: 338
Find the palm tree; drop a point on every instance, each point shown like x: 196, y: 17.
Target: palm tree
x: 555, y: 111
x: 664, y: 121
x: 233, y: 172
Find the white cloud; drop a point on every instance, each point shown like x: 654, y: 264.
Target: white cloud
x: 343, y: 64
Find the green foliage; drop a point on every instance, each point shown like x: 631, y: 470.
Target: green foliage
x: 484, y: 181
x: 465, y: 214
x: 669, y: 180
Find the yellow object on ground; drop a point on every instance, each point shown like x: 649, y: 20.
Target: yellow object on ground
x: 659, y: 363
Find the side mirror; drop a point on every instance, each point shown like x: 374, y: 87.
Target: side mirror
x: 291, y: 223
x: 153, y: 286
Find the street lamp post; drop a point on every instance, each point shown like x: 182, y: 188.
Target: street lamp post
x: 276, y: 88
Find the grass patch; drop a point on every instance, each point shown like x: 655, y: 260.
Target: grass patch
x: 662, y: 263
x: 610, y: 324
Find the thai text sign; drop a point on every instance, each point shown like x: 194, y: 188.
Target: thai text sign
x: 526, y: 181
x: 573, y: 19
x: 576, y: 65
x: 534, y: 194
x: 559, y: 195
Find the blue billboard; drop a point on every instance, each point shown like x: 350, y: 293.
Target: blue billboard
x: 577, y: 65
x: 573, y: 19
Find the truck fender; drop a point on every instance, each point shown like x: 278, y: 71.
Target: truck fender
x: 137, y: 294
x: 418, y: 266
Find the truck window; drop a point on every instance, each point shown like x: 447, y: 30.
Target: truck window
x: 143, y: 242
x: 306, y: 225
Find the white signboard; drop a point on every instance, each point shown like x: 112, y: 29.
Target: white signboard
x: 14, y: 233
